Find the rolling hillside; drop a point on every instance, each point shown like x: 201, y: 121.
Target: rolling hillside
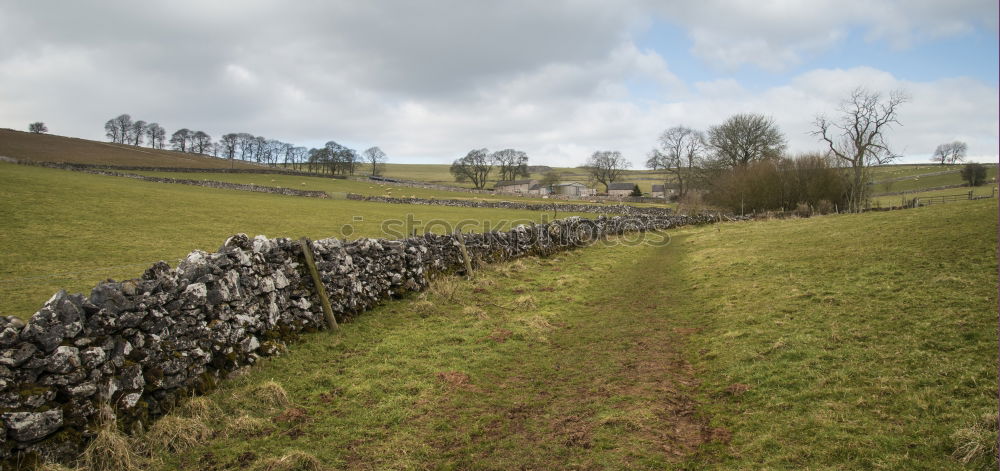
x: 50, y: 148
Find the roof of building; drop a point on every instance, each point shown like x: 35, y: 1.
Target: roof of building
x: 514, y: 182
x: 570, y: 184
x: 535, y: 187
x: 621, y: 186
x: 657, y: 188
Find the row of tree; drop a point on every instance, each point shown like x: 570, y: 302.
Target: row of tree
x: 477, y: 165
x: 332, y: 158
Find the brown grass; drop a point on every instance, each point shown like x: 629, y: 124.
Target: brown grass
x: 977, y: 442
x: 51, y: 148
x: 110, y: 450
x: 245, y: 426
x: 292, y: 461
x: 176, y: 434
x: 268, y: 393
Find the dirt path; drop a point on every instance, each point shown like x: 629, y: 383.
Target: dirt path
x: 608, y: 388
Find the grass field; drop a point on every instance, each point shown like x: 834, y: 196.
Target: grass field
x: 438, y: 173
x: 898, y: 200
x: 839, y: 342
x: 916, y: 183
x: 69, y: 230
x: 51, y: 148
x: 331, y: 186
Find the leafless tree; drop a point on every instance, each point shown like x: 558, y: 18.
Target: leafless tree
x: 228, y: 142
x: 38, y: 127
x: 136, y: 132
x: 857, y: 137
x: 681, y: 151
x: 475, y: 167
x: 201, y: 142
x: 606, y: 166
x: 511, y: 163
x: 950, y: 153
x: 376, y: 158
x: 117, y: 129
x: 156, y: 134
x: 180, y: 139
x: 744, y: 138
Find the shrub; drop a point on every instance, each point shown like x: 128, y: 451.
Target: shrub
x: 974, y: 174
x: 778, y: 184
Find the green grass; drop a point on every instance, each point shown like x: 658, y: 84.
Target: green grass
x: 69, y: 230
x: 331, y: 186
x: 438, y: 173
x: 917, y: 182
x: 856, y: 342
x: 897, y: 200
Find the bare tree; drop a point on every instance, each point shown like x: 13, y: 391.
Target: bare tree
x: 201, y: 142
x: 229, y: 142
x: 245, y: 142
x: 180, y: 139
x: 511, y: 163
x: 681, y: 150
x: 117, y: 129
x: 475, y: 167
x: 606, y: 166
x: 950, y: 153
x: 745, y: 138
x: 857, y: 137
x: 136, y: 132
x: 299, y: 156
x: 123, y: 127
x: 156, y: 134
x: 38, y: 127
x: 549, y: 178
x: 376, y: 158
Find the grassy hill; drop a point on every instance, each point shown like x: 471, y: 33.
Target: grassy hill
x: 51, y: 148
x: 68, y: 230
x: 727, y: 349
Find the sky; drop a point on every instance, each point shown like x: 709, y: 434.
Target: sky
x: 560, y: 79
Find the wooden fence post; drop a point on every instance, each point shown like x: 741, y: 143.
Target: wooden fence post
x: 307, y: 253
x: 465, y: 254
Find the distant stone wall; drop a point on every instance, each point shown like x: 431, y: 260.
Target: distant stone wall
x: 133, y: 168
x: 653, y: 211
x: 97, y: 170
x: 141, y: 344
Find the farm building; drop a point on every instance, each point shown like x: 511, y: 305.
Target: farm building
x: 514, y: 186
x: 573, y: 189
x: 662, y: 191
x: 620, y: 189
x: 538, y: 190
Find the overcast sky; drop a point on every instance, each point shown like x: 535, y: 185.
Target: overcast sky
x: 428, y: 81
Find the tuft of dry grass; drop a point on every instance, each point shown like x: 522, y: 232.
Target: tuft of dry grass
x: 269, y: 393
x: 201, y: 408
x: 110, y: 450
x: 292, y: 461
x: 977, y: 442
x: 175, y: 434
x: 423, y: 307
x: 445, y: 287
x: 525, y: 301
x: 475, y: 311
x: 246, y: 426
x: 55, y: 467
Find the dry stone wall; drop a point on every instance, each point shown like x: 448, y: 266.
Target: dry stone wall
x: 620, y: 209
x: 140, y: 344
